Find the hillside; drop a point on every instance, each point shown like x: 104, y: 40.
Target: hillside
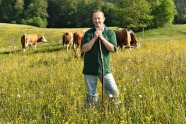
x: 174, y: 32
x: 11, y: 33
x: 47, y: 85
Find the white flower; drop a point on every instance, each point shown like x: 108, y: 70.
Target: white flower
x: 138, y: 80
x: 18, y: 95
x: 110, y: 95
x: 124, y: 89
x: 140, y: 96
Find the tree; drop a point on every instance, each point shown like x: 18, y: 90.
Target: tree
x: 37, y: 8
x: 84, y: 13
x: 11, y: 10
x: 70, y: 13
x: 108, y: 10
x: 180, y: 17
x: 54, y: 13
x: 163, y: 12
x: 36, y: 12
x: 135, y: 14
x: 0, y: 12
x: 62, y: 13
x: 19, y: 9
x: 85, y: 9
x: 132, y: 13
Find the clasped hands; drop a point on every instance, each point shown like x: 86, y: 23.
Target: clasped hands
x: 98, y: 34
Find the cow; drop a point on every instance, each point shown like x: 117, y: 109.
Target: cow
x: 123, y: 38
x: 31, y: 39
x: 126, y: 39
x: 78, y: 36
x: 67, y: 39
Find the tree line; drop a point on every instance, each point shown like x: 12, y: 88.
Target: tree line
x: 135, y: 14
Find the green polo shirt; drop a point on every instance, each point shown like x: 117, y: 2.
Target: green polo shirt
x: 92, y: 59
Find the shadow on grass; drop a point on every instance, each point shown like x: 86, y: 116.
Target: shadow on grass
x: 10, y: 52
x: 182, y: 32
x: 31, y: 51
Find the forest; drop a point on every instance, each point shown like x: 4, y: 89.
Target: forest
x: 134, y: 14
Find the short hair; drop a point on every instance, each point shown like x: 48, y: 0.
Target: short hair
x: 95, y: 11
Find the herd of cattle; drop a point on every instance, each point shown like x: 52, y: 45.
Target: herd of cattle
x: 125, y: 39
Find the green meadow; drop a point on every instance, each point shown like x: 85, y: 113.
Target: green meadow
x: 46, y: 85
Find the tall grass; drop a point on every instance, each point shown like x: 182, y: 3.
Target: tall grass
x: 47, y: 86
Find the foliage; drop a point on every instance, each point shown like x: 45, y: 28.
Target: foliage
x: 36, y: 8
x: 108, y: 10
x: 163, y: 13
x: 180, y: 17
x: 7, y: 11
x: 77, y: 13
x: 17, y: 10
x: 132, y: 13
x: 35, y: 21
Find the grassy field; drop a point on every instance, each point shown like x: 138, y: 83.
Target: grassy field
x: 46, y: 85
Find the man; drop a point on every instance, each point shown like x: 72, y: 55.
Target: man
x: 92, y: 60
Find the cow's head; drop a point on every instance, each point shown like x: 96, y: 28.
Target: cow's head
x: 43, y: 39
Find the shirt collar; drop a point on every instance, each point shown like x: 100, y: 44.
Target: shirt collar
x: 102, y: 29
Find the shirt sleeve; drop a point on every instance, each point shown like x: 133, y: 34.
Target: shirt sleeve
x: 114, y: 40
x: 86, y: 38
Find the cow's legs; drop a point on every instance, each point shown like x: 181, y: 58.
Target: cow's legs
x: 35, y: 46
x: 74, y: 45
x: 67, y: 46
x: 71, y: 46
x: 76, y: 52
x: 24, y: 48
x: 63, y: 47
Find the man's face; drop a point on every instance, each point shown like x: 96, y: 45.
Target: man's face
x: 98, y: 19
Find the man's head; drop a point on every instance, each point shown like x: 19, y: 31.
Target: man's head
x: 98, y: 19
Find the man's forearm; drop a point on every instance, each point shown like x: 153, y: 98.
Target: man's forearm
x: 108, y: 45
x: 88, y: 46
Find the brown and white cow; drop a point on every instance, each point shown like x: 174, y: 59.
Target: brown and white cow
x: 123, y: 38
x: 31, y: 39
x: 67, y: 39
x: 126, y: 39
x: 78, y: 36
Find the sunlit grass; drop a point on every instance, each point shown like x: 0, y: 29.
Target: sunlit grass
x: 47, y: 86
